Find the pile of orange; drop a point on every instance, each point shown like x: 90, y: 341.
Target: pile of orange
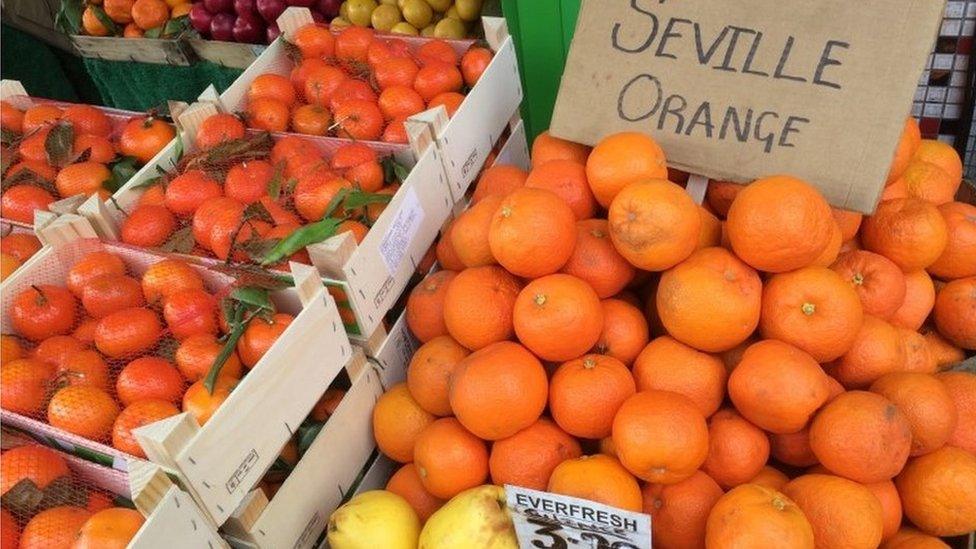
x: 357, y: 85
x: 240, y: 194
x: 759, y: 371
x: 46, y: 505
x: 60, y: 152
x: 15, y: 249
x: 134, y: 18
x: 110, y: 351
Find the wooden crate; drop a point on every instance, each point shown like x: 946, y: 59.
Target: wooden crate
x: 158, y: 51
x: 330, y: 470
x: 220, y: 462
x: 226, y: 54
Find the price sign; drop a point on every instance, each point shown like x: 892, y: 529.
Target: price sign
x: 551, y: 521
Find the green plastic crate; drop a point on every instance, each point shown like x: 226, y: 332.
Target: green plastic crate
x: 543, y: 30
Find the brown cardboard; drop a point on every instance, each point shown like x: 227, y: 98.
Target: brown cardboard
x: 828, y: 84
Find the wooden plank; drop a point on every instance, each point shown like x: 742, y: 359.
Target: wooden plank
x: 393, y: 356
x: 176, y: 522
x: 138, y: 50
x: 234, y: 55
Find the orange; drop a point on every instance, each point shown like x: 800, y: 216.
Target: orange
x: 955, y: 312
x: 910, y: 538
x: 20, y: 245
x: 755, y: 516
x: 926, y: 404
x: 10, y: 349
x: 273, y: 86
x: 469, y: 232
x: 119, y: 11
x: 879, y: 283
x: 111, y: 528
x: 958, y: 260
x: 596, y: 261
x: 720, y: 195
x: 944, y: 352
x: 435, y: 78
x: 473, y: 64
x: 891, y: 512
x: 53, y: 350
x: 311, y: 120
x: 777, y: 386
x: 942, y: 155
x: 842, y: 513
x: 585, y: 394
x: 218, y: 129
x: 938, y: 492
x: 190, y: 312
x: 187, y: 191
x: 928, y: 182
x: 449, y: 458
x: 918, y: 356
x: 498, y: 180
x: 532, y: 233
x: 437, y: 51
x: 41, y: 115
x: 396, y: 71
x: 19, y: 202
x: 425, y: 306
x: 737, y: 449
x: 39, y: 465
x: 143, y: 138
x: 528, y: 457
x: 918, y: 302
x: 701, y: 377
x: 149, y: 14
x: 451, y: 101
x: 83, y: 410
x: 167, y: 277
x: 812, y: 308
x: 82, y: 178
x: 547, y: 147
x: 444, y: 251
x: 877, y: 350
x: 558, y: 317
x: 621, y: 159
x: 149, y: 377
x: 86, y: 119
x: 478, y: 306
x: 710, y: 301
x: 861, y: 436
x: 679, y: 511
x: 779, y: 224
x: 353, y: 43
x: 962, y: 389
x: 908, y: 144
x: 314, y: 41
x: 499, y: 390
x: 269, y: 114
x: 84, y: 367
x: 9, y: 529
x: 908, y: 231
x: 42, y: 311
x: 711, y: 230
x: 567, y: 179
x: 400, y: 101
x: 25, y: 385
x: 654, y: 224
x: 599, y: 478
x: 54, y: 527
x: 848, y: 221
x: 127, y: 332
x: 430, y: 372
x: 793, y: 448
x: 11, y: 118
x: 108, y: 293
x: 660, y: 436
x: 397, y: 421
x: 100, y: 150
x: 359, y: 119
x: 201, y: 403
x: 248, y: 181
x: 625, y: 331
x: 406, y: 483
x: 138, y: 414
x: 259, y: 336
x: 771, y: 478
x: 148, y: 226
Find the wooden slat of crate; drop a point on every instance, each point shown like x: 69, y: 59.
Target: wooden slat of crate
x: 141, y: 50
x: 227, y: 54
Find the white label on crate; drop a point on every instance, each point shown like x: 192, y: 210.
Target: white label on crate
x: 550, y: 520
x: 401, y: 232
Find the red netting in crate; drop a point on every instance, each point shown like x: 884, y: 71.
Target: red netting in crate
x: 100, y: 340
x: 251, y: 198
x: 56, y: 150
x: 52, y: 500
x: 356, y: 84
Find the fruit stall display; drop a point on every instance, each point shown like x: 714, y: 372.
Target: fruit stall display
x: 53, y: 499
x: 820, y: 355
x: 55, y: 150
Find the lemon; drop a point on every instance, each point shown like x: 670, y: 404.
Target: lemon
x: 374, y: 519
x: 452, y: 13
x: 384, y: 17
x: 359, y: 12
x: 449, y: 28
x: 440, y: 5
x: 427, y: 31
x: 344, y: 10
x: 404, y: 28
x: 417, y: 13
x: 339, y: 23
x: 476, y: 517
x: 468, y: 10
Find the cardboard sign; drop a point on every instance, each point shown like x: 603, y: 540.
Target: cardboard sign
x: 542, y: 519
x: 741, y: 89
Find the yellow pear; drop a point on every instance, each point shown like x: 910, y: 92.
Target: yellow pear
x: 475, y: 518
x: 374, y: 519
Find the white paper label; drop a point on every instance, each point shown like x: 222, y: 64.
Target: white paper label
x: 543, y: 519
x: 400, y: 234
